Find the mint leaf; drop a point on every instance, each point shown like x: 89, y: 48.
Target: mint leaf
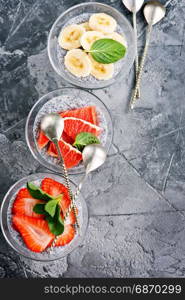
x: 56, y: 224
x: 50, y: 207
x: 55, y: 227
x: 107, y: 51
x: 39, y: 209
x: 37, y: 193
x: 83, y: 139
x: 58, y: 215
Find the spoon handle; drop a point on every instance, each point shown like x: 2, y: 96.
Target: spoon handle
x: 72, y: 205
x: 134, y: 95
x: 136, y: 59
x: 78, y: 190
x: 67, y: 181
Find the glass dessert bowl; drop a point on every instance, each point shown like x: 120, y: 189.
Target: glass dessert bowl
x: 71, y: 102
x: 11, y: 215
x: 80, y: 14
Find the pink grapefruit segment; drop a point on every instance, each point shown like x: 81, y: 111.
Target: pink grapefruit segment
x: 67, y: 138
x: 86, y: 113
x: 42, y: 140
x: 71, y: 155
x: 74, y: 126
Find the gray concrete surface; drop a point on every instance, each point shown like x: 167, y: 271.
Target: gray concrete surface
x: 137, y: 212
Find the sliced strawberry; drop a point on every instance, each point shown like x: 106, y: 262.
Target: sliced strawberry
x: 87, y: 113
x: 67, y: 236
x: 42, y: 140
x: 71, y: 219
x: 35, y: 232
x: 55, y: 188
x: 24, y: 204
x: 71, y: 155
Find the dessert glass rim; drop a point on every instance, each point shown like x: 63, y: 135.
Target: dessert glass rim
x: 76, y: 82
x: 38, y: 157
x: 4, y: 222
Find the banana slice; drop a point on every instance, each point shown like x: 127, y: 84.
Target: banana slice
x: 78, y: 63
x: 101, y: 71
x: 70, y: 36
x: 89, y: 37
x: 102, y: 22
x: 117, y: 37
x: 86, y: 26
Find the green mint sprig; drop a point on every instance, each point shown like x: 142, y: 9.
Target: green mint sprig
x: 50, y: 209
x: 56, y: 224
x: 83, y: 139
x: 37, y: 193
x: 107, y: 51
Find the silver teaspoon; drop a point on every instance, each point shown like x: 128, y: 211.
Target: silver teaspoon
x: 53, y: 125
x: 93, y: 156
x: 154, y: 11
x: 134, y: 6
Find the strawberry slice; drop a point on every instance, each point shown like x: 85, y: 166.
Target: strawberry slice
x: 67, y: 236
x: 54, y: 189
x: 24, y: 204
x: 35, y: 232
x: 42, y: 140
x: 71, y: 219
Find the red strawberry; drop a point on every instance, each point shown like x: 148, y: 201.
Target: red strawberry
x: 42, y: 140
x: 55, y: 188
x: 67, y: 236
x: 35, y: 232
x: 24, y: 203
x: 71, y: 219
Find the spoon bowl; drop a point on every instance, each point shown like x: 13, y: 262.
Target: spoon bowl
x: 52, y: 125
x: 133, y: 5
x: 154, y: 11
x: 93, y: 156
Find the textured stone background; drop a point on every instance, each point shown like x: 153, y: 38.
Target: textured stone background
x: 137, y: 215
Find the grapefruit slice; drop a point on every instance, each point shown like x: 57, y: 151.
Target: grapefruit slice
x: 87, y: 113
x: 74, y: 126
x: 71, y: 155
x: 67, y: 138
x: 42, y: 140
